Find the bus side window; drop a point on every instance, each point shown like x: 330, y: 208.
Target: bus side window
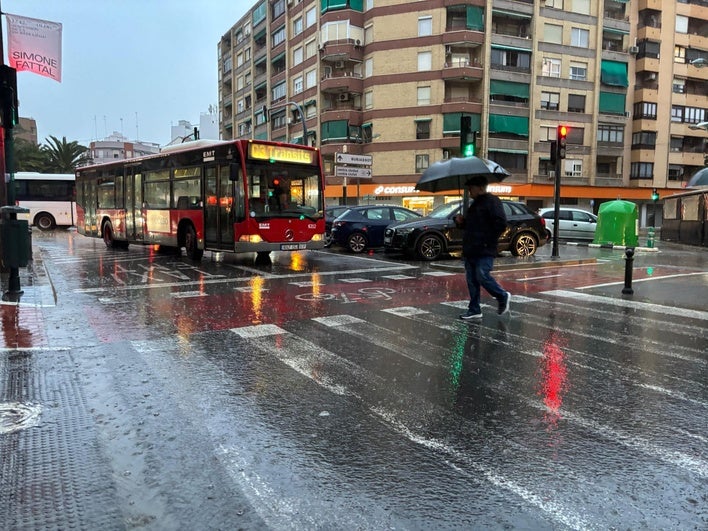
x: 182, y: 202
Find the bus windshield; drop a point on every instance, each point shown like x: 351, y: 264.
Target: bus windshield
x: 283, y: 190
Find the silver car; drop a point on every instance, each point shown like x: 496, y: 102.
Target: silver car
x: 574, y: 223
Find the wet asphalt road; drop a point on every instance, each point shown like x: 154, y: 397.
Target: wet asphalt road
x: 331, y: 391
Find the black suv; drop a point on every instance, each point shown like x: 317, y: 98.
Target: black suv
x: 436, y: 234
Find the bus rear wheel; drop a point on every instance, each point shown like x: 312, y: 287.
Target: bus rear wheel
x: 108, y: 237
x: 191, y: 245
x: 44, y: 221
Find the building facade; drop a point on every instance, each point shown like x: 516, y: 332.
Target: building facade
x: 117, y: 147
x: 392, y: 79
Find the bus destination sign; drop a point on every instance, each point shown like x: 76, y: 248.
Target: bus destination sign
x: 280, y: 153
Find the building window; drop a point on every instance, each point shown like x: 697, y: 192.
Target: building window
x: 676, y: 143
x: 676, y: 113
x: 278, y: 91
x: 553, y: 33
x: 551, y: 67
x: 278, y: 36
x: 579, y: 37
x: 694, y: 115
x: 675, y: 172
x: 679, y: 54
x: 310, y: 48
x: 297, y: 85
x: 573, y: 168
x: 581, y: 6
x: 368, y: 99
x: 311, y: 78
x: 558, y: 4
x: 645, y: 109
x: 422, y: 129
x: 550, y: 100
x: 641, y: 170
x: 681, y: 24
x: 278, y: 8
x: 278, y: 120
x: 310, y: 17
x: 421, y: 163
x: 425, y: 26
x: 369, y: 67
x: 425, y: 61
x: 239, y: 60
x: 423, y: 95
x: 297, y: 55
x: 578, y: 71
x: 679, y: 86
x: 548, y: 134
x: 311, y: 110
x: 297, y: 26
x: 644, y: 140
x: 610, y: 133
x: 576, y: 103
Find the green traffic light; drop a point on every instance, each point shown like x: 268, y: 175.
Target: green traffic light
x: 468, y: 150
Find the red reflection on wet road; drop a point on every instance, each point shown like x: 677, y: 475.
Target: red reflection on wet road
x: 553, y: 378
x: 21, y: 326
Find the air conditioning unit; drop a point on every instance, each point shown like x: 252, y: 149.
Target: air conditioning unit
x: 344, y: 96
x: 339, y: 64
x: 634, y: 50
x: 357, y: 43
x: 651, y: 76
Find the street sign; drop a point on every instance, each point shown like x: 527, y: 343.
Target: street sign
x: 359, y: 173
x: 348, y: 158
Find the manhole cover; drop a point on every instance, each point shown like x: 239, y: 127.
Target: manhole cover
x: 15, y: 416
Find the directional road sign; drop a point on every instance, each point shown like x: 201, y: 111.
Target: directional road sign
x: 348, y: 158
x: 346, y: 171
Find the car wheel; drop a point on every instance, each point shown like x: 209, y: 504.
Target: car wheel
x: 357, y: 242
x: 429, y: 247
x: 524, y: 244
x: 191, y: 245
x: 327, y: 239
x: 44, y: 221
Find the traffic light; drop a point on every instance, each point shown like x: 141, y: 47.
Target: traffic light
x: 8, y: 96
x: 655, y: 195
x: 562, y: 140
x: 468, y: 138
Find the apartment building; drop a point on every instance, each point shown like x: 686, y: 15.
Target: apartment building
x: 391, y: 79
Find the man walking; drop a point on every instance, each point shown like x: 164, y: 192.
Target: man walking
x: 483, y: 223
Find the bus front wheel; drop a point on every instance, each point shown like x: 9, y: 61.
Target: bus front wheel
x: 44, y: 221
x: 108, y: 236
x: 191, y: 245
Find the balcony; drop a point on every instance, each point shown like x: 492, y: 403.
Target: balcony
x: 463, y: 70
x: 342, y: 50
x: 343, y: 81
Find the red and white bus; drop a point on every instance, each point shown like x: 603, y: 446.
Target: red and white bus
x: 229, y: 195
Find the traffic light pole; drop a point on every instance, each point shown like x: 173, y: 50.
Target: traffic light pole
x: 556, y: 208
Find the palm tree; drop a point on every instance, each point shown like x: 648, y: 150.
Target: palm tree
x: 29, y: 156
x: 63, y: 156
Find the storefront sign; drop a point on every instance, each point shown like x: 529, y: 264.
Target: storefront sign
x: 395, y: 190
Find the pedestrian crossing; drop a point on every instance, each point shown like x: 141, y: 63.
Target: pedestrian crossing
x: 558, y: 396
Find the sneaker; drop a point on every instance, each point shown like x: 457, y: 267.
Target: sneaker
x: 468, y: 316
x: 504, y: 304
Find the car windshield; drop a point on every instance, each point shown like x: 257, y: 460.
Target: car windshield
x: 446, y: 210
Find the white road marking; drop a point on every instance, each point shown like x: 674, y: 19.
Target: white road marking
x: 526, y: 279
x: 624, y: 303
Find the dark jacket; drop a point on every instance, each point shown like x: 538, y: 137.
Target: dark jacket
x: 484, y: 222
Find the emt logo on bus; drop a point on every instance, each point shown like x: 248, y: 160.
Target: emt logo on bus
x: 280, y: 153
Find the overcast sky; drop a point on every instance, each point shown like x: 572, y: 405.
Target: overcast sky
x: 132, y: 66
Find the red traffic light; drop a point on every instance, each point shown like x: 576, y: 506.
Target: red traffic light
x: 563, y: 130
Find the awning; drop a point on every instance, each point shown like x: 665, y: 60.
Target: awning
x: 259, y: 34
x: 514, y: 151
x: 309, y: 102
x: 614, y: 73
x: 509, y: 88
x: 366, y: 124
x: 517, y: 125
x: 513, y: 48
x: 451, y: 122
x: 419, y: 120
x: 510, y: 13
x: 278, y: 57
x: 261, y: 59
x: 612, y: 102
x: 475, y: 18
x: 260, y: 85
x: 616, y: 30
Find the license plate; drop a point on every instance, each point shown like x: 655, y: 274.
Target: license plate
x: 293, y: 246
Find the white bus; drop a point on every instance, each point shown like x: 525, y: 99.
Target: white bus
x: 50, y: 198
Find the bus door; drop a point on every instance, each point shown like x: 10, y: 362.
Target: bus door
x: 218, y: 208
x: 133, y: 204
x: 90, y: 203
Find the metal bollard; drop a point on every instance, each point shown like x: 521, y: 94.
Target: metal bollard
x: 629, y: 261
x: 650, y: 237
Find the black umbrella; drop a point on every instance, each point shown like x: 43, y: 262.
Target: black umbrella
x: 451, y: 174
x: 700, y: 178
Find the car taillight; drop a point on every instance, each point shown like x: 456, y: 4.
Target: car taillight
x: 339, y: 223
x: 543, y: 222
